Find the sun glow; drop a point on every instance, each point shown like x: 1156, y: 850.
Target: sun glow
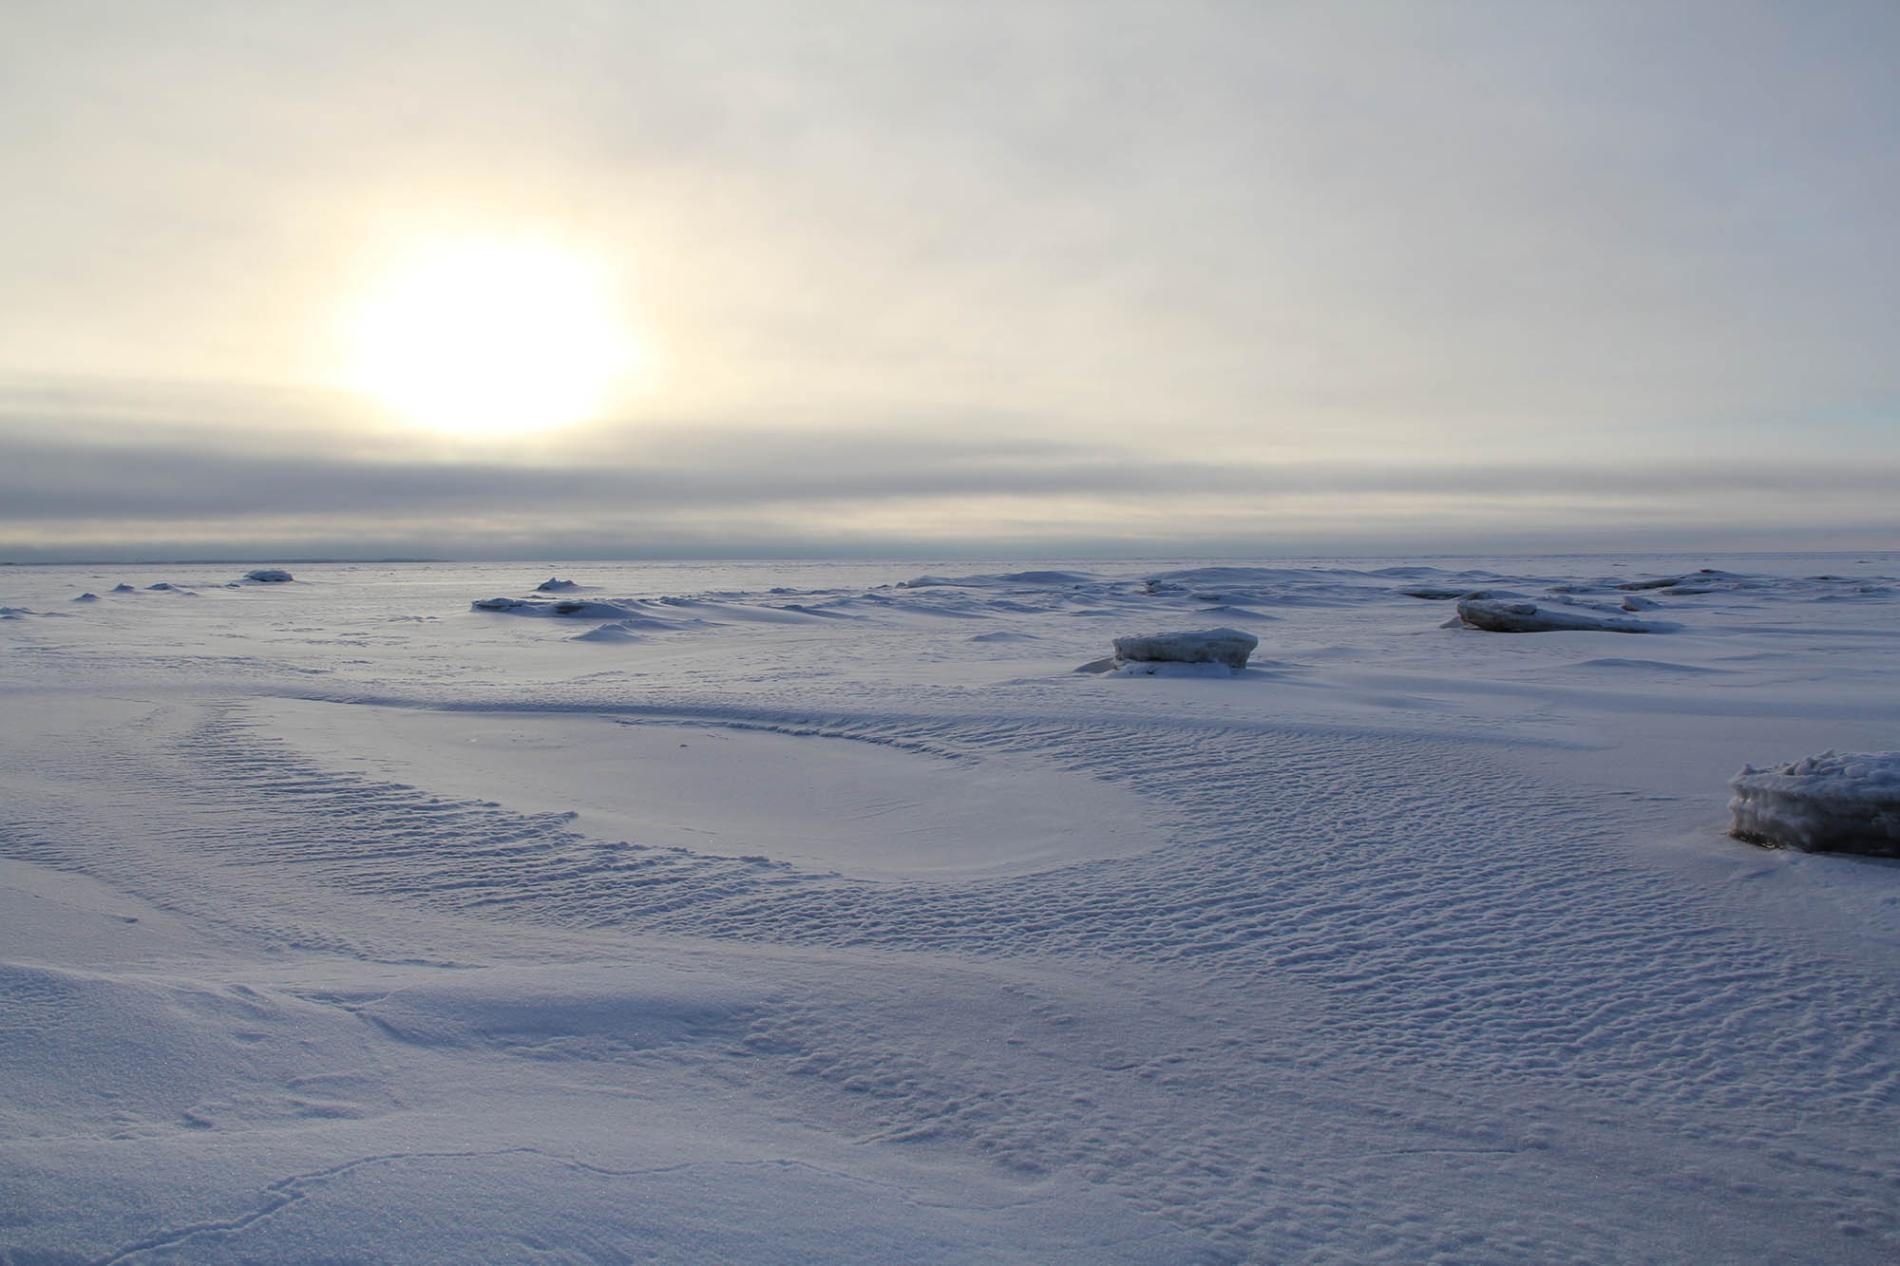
x: 491, y: 340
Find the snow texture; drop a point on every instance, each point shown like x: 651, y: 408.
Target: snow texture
x: 802, y: 916
x: 1832, y: 803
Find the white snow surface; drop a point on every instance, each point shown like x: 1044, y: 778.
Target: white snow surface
x: 804, y: 916
x: 1832, y: 803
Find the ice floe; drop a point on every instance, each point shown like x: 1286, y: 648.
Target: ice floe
x: 1224, y: 650
x: 1496, y: 615
x: 1837, y: 802
x: 570, y: 608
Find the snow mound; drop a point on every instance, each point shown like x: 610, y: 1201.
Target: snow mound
x: 614, y: 631
x: 122, y: 587
x: 1832, y: 803
x: 1634, y: 603
x: 268, y: 576
x: 554, y: 584
x: 1223, y: 648
x: 87, y: 597
x: 1496, y: 615
x: 13, y: 613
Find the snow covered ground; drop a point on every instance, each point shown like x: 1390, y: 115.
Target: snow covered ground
x: 787, y: 913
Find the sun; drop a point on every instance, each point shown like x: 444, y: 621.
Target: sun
x: 491, y: 339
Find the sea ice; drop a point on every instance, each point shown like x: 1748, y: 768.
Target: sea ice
x: 268, y: 575
x: 1502, y: 616
x: 1837, y: 802
x: 573, y: 608
x: 1226, y: 647
x: 554, y: 584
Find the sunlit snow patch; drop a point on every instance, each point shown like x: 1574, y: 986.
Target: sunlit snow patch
x: 860, y: 808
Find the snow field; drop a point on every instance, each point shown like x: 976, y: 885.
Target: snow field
x: 1430, y: 945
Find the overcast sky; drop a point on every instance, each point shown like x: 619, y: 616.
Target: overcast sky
x: 1147, y: 279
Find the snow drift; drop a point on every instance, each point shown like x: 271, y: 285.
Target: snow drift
x: 1832, y: 803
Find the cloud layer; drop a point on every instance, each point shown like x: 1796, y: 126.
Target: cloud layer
x: 1244, y: 277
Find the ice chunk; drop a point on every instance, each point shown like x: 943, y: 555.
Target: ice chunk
x: 554, y: 584
x: 583, y: 608
x: 87, y: 597
x: 1229, y: 647
x: 1832, y: 803
x: 268, y: 575
x: 122, y: 587
x: 577, y: 608
x: 1495, y: 615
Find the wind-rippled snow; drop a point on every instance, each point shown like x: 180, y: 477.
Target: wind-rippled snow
x: 820, y: 912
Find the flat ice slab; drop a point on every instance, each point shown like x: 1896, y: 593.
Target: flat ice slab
x: 1498, y: 615
x: 860, y: 808
x: 1208, y: 646
x: 1832, y: 803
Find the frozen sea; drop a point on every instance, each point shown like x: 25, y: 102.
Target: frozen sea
x: 820, y: 912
